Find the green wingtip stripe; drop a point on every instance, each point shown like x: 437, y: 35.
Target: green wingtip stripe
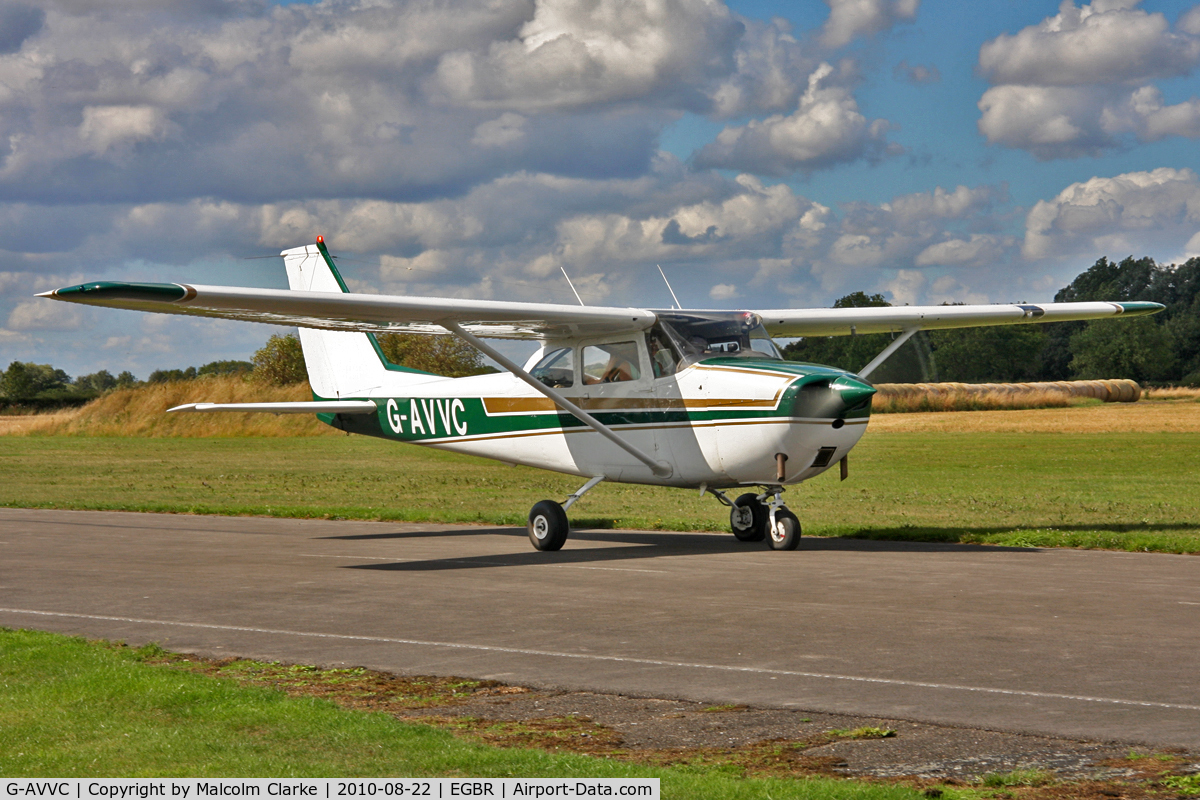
x: 1141, y: 307
x: 115, y: 290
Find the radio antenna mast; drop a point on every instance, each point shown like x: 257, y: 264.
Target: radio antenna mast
x: 668, y: 283
x: 568, y: 277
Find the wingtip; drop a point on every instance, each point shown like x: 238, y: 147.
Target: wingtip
x: 49, y: 294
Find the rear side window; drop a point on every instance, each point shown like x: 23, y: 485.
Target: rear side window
x: 611, y: 363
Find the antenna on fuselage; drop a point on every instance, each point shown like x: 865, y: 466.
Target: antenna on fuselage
x: 668, y: 283
x: 568, y: 277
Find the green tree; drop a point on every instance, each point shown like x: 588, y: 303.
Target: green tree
x: 25, y: 380
x: 171, y: 375
x: 16, y: 381
x: 1138, y: 349
x: 1130, y: 279
x: 999, y: 354
x: 280, y: 361
x: 1180, y: 291
x: 226, y: 368
x: 126, y: 379
x: 97, y: 382
x: 908, y: 364
x: 440, y: 355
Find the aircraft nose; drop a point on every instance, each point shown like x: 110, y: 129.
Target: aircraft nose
x: 853, y: 391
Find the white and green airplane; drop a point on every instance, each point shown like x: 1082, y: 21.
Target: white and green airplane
x: 688, y: 398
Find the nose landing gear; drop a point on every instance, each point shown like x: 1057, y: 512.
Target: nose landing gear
x: 758, y: 517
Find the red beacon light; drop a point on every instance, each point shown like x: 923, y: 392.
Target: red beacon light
x: 320, y: 240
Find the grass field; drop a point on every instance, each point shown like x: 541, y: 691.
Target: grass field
x: 77, y: 709
x: 1119, y: 477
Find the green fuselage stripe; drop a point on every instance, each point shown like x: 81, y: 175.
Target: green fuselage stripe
x: 448, y: 418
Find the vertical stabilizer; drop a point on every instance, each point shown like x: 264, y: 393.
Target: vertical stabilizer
x: 340, y: 364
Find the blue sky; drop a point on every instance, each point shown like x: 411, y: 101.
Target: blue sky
x: 764, y: 153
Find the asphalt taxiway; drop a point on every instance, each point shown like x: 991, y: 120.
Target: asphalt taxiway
x: 1095, y: 645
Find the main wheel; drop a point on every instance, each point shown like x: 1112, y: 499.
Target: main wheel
x: 786, y: 533
x: 748, y: 519
x: 548, y: 527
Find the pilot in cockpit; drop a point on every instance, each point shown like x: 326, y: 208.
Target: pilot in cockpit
x: 661, y: 358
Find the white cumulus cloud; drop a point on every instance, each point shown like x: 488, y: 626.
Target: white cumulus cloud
x: 1077, y: 83
x: 40, y: 315
x: 826, y: 128
x: 849, y: 19
x: 1101, y: 43
x: 1155, y: 212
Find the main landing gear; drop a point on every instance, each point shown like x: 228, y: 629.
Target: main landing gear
x: 548, y: 526
x: 758, y: 517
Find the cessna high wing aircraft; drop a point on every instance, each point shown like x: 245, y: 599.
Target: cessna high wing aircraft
x: 686, y: 398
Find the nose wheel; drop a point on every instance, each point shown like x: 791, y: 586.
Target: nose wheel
x: 759, y: 517
x: 785, y: 531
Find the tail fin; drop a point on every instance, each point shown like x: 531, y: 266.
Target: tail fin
x: 340, y: 364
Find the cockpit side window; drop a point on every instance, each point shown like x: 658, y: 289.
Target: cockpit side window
x: 556, y: 369
x: 611, y: 363
x: 762, y: 343
x: 664, y: 355
x: 734, y: 333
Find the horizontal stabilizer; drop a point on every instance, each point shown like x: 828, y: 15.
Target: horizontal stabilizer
x: 316, y: 407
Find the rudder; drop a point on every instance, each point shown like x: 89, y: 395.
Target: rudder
x: 340, y: 363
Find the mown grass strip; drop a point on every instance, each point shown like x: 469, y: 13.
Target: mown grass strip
x: 1124, y: 491
x: 71, y: 708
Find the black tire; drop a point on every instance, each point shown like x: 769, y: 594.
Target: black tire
x: 786, y: 534
x: 548, y: 527
x: 756, y: 529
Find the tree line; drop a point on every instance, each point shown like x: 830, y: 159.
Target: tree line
x: 278, y: 362
x: 1160, y: 349
x: 43, y: 384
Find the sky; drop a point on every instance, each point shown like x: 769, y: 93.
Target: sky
x: 765, y: 153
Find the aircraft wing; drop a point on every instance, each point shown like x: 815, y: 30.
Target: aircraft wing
x: 515, y: 320
x: 796, y: 322
x: 372, y: 313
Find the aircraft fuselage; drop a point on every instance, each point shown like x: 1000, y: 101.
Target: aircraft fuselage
x: 720, y: 422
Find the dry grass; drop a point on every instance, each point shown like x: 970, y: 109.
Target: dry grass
x: 140, y: 412
x: 917, y: 397
x: 25, y: 423
x: 1173, y: 393
x: 1172, y: 416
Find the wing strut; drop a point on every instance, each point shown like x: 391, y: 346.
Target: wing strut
x: 887, y: 351
x: 660, y: 469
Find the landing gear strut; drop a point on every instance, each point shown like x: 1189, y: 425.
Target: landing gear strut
x: 758, y: 517
x: 548, y: 526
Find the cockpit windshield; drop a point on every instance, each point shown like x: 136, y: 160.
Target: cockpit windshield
x: 729, y: 333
